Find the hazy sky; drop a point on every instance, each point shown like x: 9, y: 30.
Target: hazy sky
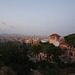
x: 37, y: 17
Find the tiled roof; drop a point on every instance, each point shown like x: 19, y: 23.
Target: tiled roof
x: 63, y: 43
x: 55, y: 35
x: 63, y: 48
x: 35, y: 44
x: 62, y: 40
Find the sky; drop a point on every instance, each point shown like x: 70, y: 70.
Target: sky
x: 37, y: 17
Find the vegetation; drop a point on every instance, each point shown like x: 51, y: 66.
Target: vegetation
x: 52, y: 52
x: 14, y: 57
x: 70, y: 40
x: 35, y: 49
x: 48, y: 68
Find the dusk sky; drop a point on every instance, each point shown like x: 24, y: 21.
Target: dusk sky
x: 37, y: 17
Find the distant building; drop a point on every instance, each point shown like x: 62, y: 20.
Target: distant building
x: 44, y: 40
x: 54, y: 38
x: 28, y: 41
x: 19, y: 39
x: 0, y: 40
x: 63, y: 43
x: 35, y: 41
x: 35, y: 44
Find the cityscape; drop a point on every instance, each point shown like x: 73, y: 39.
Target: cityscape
x: 37, y: 37
x: 35, y: 46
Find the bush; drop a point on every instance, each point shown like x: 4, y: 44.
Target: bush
x: 64, y: 73
x: 39, y: 68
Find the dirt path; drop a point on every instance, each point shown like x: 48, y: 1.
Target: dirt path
x: 36, y: 72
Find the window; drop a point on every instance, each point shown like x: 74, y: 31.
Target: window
x: 57, y: 37
x: 70, y: 53
x: 63, y: 52
x: 52, y: 37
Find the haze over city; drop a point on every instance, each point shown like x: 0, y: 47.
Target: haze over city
x: 37, y: 17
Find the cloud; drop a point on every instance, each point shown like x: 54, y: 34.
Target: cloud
x: 3, y: 22
x: 7, y: 25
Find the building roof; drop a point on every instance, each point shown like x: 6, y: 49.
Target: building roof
x: 63, y: 48
x: 36, y: 44
x: 56, y: 35
x: 63, y: 43
x: 62, y: 40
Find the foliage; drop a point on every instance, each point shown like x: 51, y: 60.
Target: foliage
x: 15, y: 56
x: 44, y: 64
x: 32, y: 65
x: 47, y: 68
x: 64, y: 73
x: 50, y: 49
x: 70, y: 40
x: 35, y: 49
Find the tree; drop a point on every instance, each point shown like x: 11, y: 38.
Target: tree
x: 51, y: 50
x: 70, y: 40
x: 35, y: 49
x: 15, y: 57
x: 56, y: 53
x: 47, y: 49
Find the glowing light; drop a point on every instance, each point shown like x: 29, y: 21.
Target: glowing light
x: 65, y: 62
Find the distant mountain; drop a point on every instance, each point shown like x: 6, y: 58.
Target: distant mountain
x: 20, y: 35
x: 6, y: 34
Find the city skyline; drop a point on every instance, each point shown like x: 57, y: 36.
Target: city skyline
x: 37, y: 17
